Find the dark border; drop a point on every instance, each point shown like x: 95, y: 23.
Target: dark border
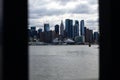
x: 105, y: 40
x: 15, y: 54
x: 1, y: 8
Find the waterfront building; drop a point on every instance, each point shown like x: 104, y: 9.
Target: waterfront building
x: 76, y: 28
x: 91, y: 36
x: 57, y: 29
x: 33, y: 28
x: 62, y: 28
x: 88, y: 35
x: 38, y: 33
x: 79, y: 40
x: 69, y: 28
x: 39, y: 30
x: 96, y: 37
x: 46, y: 27
x: 33, y: 33
x: 82, y: 30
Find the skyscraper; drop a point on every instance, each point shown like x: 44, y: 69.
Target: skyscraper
x: 39, y: 30
x: 57, y: 29
x: 69, y: 28
x: 33, y: 28
x: 38, y: 33
x: 76, y: 28
x: 46, y: 27
x: 61, y: 29
x: 96, y: 37
x: 82, y: 28
x: 33, y: 31
x: 91, y: 36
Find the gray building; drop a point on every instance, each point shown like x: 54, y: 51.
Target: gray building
x: 76, y: 28
x: 69, y: 28
x: 62, y: 29
x: 46, y: 27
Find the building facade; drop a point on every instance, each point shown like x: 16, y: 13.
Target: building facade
x: 82, y: 27
x: 69, y: 28
x: 46, y: 27
x: 62, y: 29
x: 76, y: 28
x: 56, y: 31
x: 96, y: 37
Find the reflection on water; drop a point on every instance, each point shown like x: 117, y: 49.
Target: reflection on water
x: 75, y: 62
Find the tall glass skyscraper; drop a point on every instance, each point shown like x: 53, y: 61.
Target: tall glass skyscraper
x: 61, y: 29
x: 82, y: 28
x: 76, y: 28
x: 96, y: 36
x: 46, y: 27
x: 33, y: 31
x: 69, y: 28
x: 57, y: 29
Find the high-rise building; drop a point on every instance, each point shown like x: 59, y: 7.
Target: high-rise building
x: 57, y: 29
x: 91, y: 36
x: 33, y: 32
x: 69, y: 28
x: 39, y: 30
x: 48, y: 37
x: 76, y: 28
x: 46, y: 27
x: 61, y: 29
x: 96, y: 37
x: 82, y: 28
x: 38, y: 33
x: 33, y: 28
x: 88, y: 35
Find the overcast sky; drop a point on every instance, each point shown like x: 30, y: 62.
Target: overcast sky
x: 53, y: 11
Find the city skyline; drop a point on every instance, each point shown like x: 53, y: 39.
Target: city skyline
x: 53, y: 11
x: 77, y: 33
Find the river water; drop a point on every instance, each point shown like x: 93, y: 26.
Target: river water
x: 64, y: 62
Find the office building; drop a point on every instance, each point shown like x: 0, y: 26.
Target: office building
x: 39, y: 30
x: 69, y: 28
x: 57, y: 29
x: 62, y: 29
x: 88, y: 35
x: 38, y: 34
x: 46, y: 27
x: 96, y: 37
x: 33, y: 33
x: 82, y: 28
x: 76, y: 28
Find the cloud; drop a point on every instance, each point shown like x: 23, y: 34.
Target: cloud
x: 64, y: 2
x: 93, y: 2
x: 82, y: 9
x: 41, y: 12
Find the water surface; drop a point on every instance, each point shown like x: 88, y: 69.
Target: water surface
x: 63, y: 62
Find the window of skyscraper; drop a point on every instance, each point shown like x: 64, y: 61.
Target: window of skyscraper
x: 63, y: 39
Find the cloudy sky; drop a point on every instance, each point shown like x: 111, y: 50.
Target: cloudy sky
x: 53, y: 11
